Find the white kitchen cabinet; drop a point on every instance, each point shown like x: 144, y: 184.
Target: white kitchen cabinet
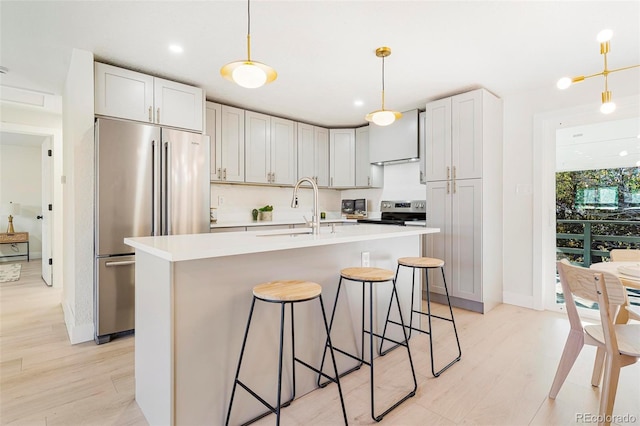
x: 270, y: 147
x: 313, y: 153
x: 136, y: 96
x: 422, y: 146
x: 342, y: 152
x: 230, y: 150
x: 283, y: 151
x: 464, y: 197
x: 213, y: 128
x: 367, y: 175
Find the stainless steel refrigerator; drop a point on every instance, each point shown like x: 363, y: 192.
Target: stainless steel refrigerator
x: 149, y: 181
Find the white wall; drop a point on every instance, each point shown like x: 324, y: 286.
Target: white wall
x: 78, y: 114
x: 21, y: 183
x: 523, y: 213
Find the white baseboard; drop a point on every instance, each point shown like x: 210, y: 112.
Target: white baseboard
x: 516, y: 299
x: 77, y: 333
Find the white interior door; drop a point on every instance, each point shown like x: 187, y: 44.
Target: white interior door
x: 46, y: 216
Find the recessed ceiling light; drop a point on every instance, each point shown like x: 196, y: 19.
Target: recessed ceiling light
x: 638, y: 163
x: 176, y: 48
x: 623, y: 153
x: 358, y: 102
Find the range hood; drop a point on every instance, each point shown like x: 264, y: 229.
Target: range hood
x: 396, y: 143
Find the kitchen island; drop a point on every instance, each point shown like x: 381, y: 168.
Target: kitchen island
x: 193, y: 294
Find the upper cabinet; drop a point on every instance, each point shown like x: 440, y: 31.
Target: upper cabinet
x: 135, y: 96
x: 367, y: 175
x: 213, y: 128
x: 270, y: 149
x: 342, y: 152
x: 454, y: 136
x: 422, y: 146
x: 313, y: 153
x: 397, y: 141
x: 229, y: 152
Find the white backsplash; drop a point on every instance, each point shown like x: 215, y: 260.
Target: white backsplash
x: 401, y: 182
x: 239, y: 200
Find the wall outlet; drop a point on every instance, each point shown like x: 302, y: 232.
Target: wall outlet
x: 220, y: 200
x: 365, y: 259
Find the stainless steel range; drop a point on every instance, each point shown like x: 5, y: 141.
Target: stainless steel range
x: 401, y: 213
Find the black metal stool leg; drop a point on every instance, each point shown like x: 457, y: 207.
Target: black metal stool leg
x: 453, y: 321
x: 386, y: 322
x: 244, y: 343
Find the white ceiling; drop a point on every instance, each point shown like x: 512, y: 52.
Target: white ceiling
x: 324, y: 50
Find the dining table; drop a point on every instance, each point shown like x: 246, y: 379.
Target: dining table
x: 629, y: 275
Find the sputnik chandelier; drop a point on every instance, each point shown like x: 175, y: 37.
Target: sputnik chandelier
x: 608, y: 106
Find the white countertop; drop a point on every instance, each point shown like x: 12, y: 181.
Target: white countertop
x: 177, y: 248
x: 251, y: 223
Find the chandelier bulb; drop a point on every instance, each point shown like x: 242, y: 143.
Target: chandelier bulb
x: 564, y: 83
x: 604, y: 36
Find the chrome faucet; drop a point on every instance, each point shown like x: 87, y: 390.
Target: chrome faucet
x: 315, y: 219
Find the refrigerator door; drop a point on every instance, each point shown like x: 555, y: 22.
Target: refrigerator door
x: 186, y: 183
x: 124, y: 183
x: 115, y: 294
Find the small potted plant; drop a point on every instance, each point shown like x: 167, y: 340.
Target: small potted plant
x: 266, y: 213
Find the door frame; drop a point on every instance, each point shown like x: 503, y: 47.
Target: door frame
x: 544, y: 194
x: 56, y: 176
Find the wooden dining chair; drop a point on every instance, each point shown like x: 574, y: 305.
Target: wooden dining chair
x: 622, y: 344
x: 624, y: 255
x: 578, y: 282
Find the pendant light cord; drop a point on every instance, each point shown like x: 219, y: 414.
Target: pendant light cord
x: 249, y: 30
x: 383, y: 83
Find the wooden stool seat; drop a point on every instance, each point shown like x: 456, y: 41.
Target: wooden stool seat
x: 421, y: 262
x: 367, y: 274
x: 287, y: 291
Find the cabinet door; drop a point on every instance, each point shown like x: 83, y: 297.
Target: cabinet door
x: 438, y: 140
x: 283, y: 151
x: 342, y: 152
x: 306, y: 151
x: 363, y: 166
x: 177, y: 104
x: 466, y: 234
x: 466, y: 116
x: 321, y: 139
x: 439, y: 245
x: 257, y: 147
x: 232, y: 145
x: 122, y: 93
x: 422, y: 146
x: 213, y: 129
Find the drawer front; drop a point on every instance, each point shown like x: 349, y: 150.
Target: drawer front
x: 18, y: 237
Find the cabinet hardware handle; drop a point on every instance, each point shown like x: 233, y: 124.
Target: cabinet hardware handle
x: 454, y: 172
x: 421, y: 176
x: 219, y: 172
x: 448, y: 187
x: 368, y: 180
x: 454, y: 186
x: 150, y: 118
x: 269, y: 177
x: 158, y: 116
x: 121, y: 263
x: 448, y: 172
x: 331, y: 180
x: 273, y: 177
x: 224, y: 173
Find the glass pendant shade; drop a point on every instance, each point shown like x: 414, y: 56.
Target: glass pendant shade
x: 248, y: 73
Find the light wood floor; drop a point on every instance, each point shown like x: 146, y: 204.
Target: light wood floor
x: 509, y: 359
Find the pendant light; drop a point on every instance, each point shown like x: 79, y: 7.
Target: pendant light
x: 607, y: 106
x: 383, y: 117
x: 248, y: 73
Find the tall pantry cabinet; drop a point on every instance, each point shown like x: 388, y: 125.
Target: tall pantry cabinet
x: 463, y: 172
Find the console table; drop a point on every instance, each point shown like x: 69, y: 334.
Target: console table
x: 15, y: 238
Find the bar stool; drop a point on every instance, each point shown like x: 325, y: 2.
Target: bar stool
x: 286, y: 293
x: 423, y: 263
x: 370, y: 276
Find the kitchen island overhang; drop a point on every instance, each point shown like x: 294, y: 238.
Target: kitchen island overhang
x: 193, y: 294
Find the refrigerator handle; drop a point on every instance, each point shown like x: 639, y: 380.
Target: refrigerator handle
x: 155, y: 188
x: 166, y: 229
